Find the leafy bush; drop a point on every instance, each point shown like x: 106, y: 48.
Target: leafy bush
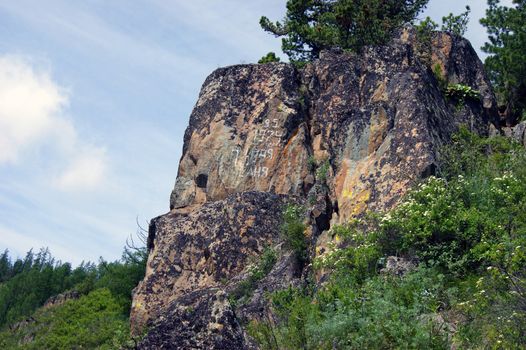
x: 382, y: 313
x: 312, y: 163
x: 293, y: 231
x: 358, y: 260
x: 256, y: 273
x: 439, y: 76
x: 462, y: 93
x: 323, y: 171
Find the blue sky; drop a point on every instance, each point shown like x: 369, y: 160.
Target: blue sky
x: 94, y: 100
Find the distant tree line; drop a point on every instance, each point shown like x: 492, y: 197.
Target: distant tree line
x: 26, y: 283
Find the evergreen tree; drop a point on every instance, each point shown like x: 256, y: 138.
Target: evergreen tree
x: 5, y: 266
x: 456, y: 24
x: 506, y: 64
x: 269, y: 58
x: 313, y: 25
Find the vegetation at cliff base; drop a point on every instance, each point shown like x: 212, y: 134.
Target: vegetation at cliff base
x: 293, y: 231
x: 97, y: 318
x: 459, y: 276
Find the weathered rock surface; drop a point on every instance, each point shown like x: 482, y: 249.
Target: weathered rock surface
x: 210, y: 246
x: 202, y: 319
x: 380, y: 117
x: 247, y: 133
x: 517, y: 133
x: 346, y: 134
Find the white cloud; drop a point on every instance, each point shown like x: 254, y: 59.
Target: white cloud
x: 85, y: 171
x: 32, y: 113
x: 29, y: 105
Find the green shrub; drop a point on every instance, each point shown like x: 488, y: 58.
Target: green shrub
x: 382, y: 313
x: 256, y: 273
x: 269, y: 58
x: 468, y: 230
x: 293, y: 231
x: 95, y: 321
x: 439, y: 76
x: 462, y: 93
x: 312, y: 163
x: 323, y: 171
x: 358, y: 260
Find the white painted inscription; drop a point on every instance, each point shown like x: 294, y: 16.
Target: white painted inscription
x: 266, y: 138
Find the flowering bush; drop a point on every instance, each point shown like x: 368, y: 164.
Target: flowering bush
x: 466, y: 227
x: 355, y: 255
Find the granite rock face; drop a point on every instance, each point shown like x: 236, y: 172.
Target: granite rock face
x: 202, y: 319
x: 346, y: 134
x: 380, y: 117
x: 208, y: 246
x: 247, y: 133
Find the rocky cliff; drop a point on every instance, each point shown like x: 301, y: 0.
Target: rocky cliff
x: 346, y: 134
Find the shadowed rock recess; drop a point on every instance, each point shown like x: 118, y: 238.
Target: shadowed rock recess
x: 346, y: 134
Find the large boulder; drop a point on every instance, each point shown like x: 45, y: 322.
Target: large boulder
x: 210, y: 246
x: 202, y: 319
x: 346, y: 134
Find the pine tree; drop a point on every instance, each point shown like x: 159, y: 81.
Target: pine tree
x: 313, y: 25
x: 506, y: 64
x: 5, y: 266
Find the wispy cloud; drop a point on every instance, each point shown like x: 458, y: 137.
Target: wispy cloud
x: 19, y: 243
x: 86, y: 170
